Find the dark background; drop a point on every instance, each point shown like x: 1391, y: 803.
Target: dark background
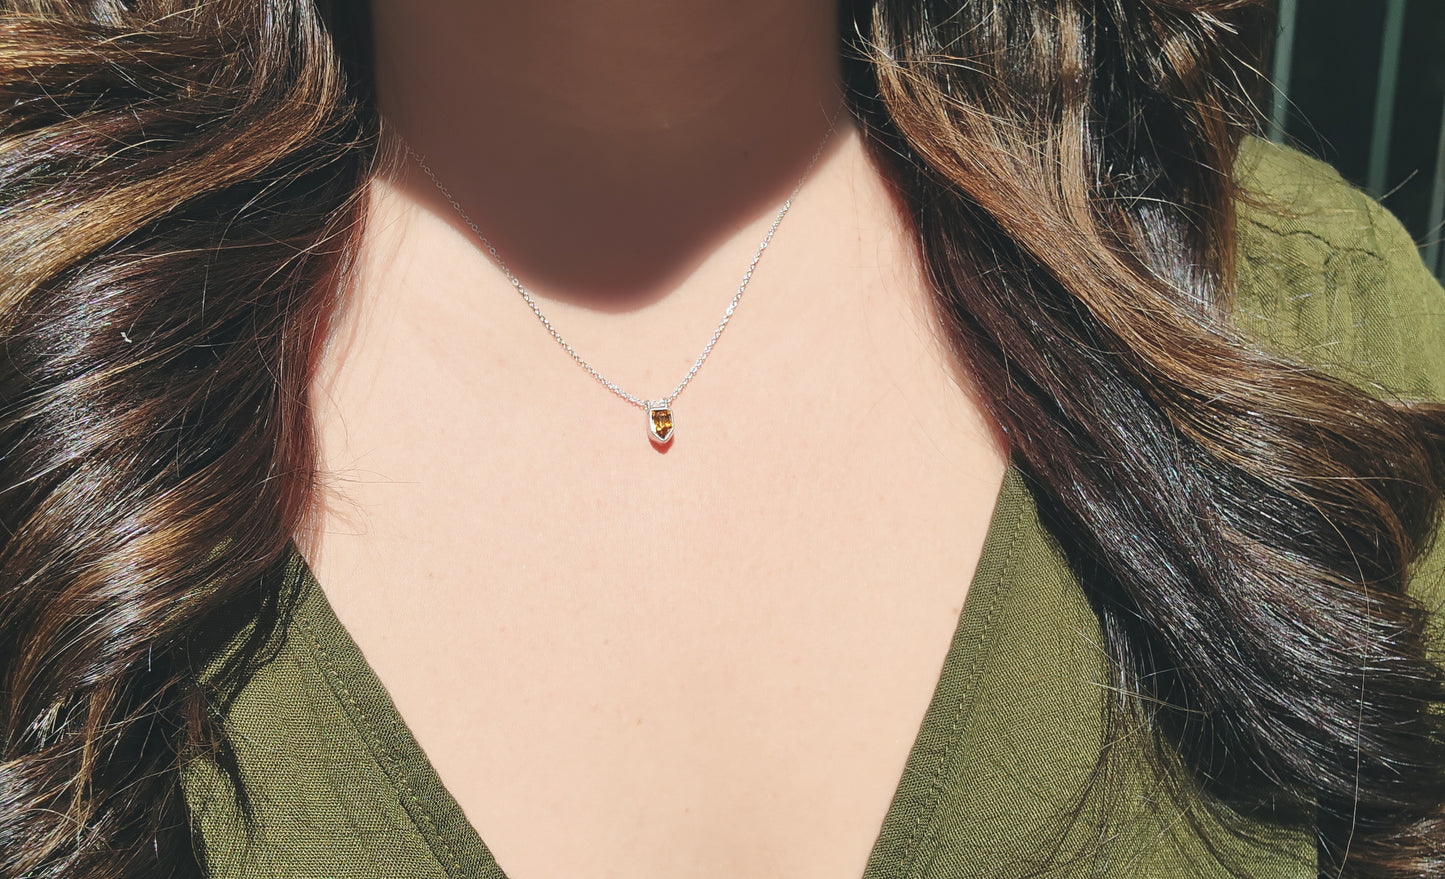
x: 1329, y: 110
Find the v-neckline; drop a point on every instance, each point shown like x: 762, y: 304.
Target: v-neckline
x: 458, y: 846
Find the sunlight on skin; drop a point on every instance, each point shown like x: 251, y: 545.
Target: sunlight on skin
x: 620, y: 661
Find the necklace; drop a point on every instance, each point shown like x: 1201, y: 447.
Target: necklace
x: 660, y: 423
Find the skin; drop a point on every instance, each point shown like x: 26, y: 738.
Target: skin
x: 705, y: 662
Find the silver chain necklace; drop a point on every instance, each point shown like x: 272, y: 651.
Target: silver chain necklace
x: 660, y: 424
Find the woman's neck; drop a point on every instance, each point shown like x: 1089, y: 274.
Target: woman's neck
x: 602, y: 145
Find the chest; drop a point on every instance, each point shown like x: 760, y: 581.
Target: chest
x: 739, y: 703
x: 710, y: 662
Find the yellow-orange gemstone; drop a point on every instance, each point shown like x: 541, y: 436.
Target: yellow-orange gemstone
x: 659, y: 423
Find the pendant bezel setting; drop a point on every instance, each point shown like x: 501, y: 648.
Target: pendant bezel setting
x: 660, y: 425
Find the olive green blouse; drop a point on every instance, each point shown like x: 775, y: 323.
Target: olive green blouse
x: 997, y: 783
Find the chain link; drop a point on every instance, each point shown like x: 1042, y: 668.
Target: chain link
x: 567, y: 346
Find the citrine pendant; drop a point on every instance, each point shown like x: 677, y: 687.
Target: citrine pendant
x: 659, y: 423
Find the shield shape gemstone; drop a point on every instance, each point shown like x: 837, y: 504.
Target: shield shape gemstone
x: 659, y: 424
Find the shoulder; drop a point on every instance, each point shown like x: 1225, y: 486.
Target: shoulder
x: 1328, y: 276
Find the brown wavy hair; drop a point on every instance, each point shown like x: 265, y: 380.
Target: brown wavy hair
x: 180, y: 188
